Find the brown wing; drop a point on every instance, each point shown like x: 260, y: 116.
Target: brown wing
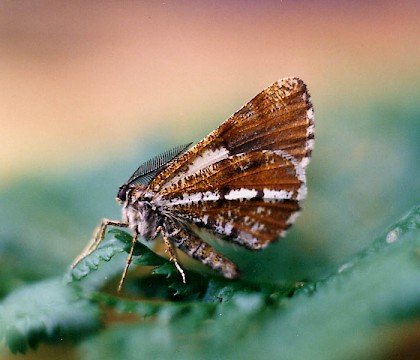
x: 278, y: 118
x: 245, y: 180
x: 249, y: 198
x: 254, y: 225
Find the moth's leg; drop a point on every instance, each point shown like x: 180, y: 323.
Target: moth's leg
x: 188, y: 242
x: 169, y: 248
x: 97, y: 238
x: 127, y: 264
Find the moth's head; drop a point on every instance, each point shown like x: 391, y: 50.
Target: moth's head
x: 123, y: 193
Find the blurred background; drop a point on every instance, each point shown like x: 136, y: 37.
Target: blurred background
x: 89, y: 90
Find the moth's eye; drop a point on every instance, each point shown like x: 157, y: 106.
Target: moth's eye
x: 122, y: 193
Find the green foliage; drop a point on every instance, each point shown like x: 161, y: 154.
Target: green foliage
x: 46, y: 311
x: 165, y: 284
x: 345, y: 316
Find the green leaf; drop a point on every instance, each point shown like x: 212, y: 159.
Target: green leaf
x: 104, y: 253
x: 354, y: 313
x: 47, y: 311
x: 360, y: 311
x: 113, y: 247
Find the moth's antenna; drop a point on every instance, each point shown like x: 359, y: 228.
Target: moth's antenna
x: 148, y: 170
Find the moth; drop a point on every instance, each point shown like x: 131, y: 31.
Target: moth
x: 243, y: 183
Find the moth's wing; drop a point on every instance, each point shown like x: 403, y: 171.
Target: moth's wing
x: 278, y: 118
x: 249, y: 198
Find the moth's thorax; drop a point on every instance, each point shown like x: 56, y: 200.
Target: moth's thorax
x: 140, y: 214
x: 139, y: 194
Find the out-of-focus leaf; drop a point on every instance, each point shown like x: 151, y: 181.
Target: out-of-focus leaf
x: 356, y: 313
x: 47, y: 311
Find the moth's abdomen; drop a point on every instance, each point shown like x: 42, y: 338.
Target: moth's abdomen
x: 185, y: 239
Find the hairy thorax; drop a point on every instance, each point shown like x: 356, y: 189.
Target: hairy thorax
x: 141, y: 216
